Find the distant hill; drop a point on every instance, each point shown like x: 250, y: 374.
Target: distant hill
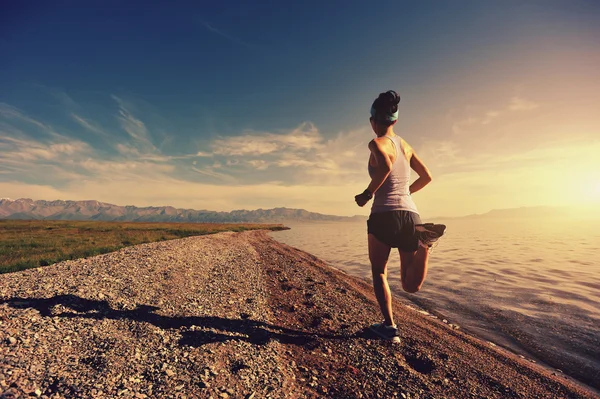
x: 26, y: 208
x: 536, y: 212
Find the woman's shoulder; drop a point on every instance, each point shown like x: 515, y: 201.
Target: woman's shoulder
x: 408, y: 150
x: 385, y: 139
x: 382, y: 142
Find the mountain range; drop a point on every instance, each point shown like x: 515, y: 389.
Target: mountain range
x: 25, y: 208
x: 590, y: 212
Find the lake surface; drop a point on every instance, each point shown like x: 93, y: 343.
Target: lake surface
x: 528, y: 285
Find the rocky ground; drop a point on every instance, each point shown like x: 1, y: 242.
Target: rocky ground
x: 234, y: 315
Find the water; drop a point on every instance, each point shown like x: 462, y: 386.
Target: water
x: 530, y: 286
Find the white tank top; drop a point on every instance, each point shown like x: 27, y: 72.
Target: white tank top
x: 394, y: 194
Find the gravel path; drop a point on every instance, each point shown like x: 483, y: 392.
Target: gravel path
x: 234, y: 315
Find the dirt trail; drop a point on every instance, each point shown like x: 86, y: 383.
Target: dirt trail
x: 234, y: 315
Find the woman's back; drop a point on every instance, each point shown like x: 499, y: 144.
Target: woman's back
x: 394, y: 194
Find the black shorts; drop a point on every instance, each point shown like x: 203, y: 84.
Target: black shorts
x: 396, y: 229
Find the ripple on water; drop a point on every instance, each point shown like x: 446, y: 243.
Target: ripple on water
x: 498, y: 261
x: 356, y: 264
x: 559, y: 272
x: 510, y: 272
x: 542, y: 279
x: 480, y: 270
x: 580, y: 262
x: 569, y: 295
x: 466, y: 261
x: 450, y: 250
x: 561, y: 242
x: 594, y: 285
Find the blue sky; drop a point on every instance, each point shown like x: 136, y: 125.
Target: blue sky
x: 264, y: 104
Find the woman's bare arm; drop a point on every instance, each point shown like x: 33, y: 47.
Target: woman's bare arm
x: 383, y: 165
x: 419, y: 167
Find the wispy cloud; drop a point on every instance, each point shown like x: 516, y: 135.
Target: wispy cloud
x: 209, y: 171
x: 476, y: 118
x: 88, y: 125
x: 299, y: 156
x: 490, y: 116
x: 306, y: 137
x: 72, y: 159
x: 58, y: 159
x: 10, y: 112
x: 258, y: 164
x: 28, y: 150
x: 133, y: 169
x: 522, y: 104
x: 224, y: 34
x: 134, y: 127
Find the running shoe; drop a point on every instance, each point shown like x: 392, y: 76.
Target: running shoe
x: 389, y: 333
x: 429, y: 233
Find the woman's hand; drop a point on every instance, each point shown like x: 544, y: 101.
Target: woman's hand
x: 362, y: 198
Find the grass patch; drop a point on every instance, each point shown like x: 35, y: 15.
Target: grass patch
x: 33, y: 243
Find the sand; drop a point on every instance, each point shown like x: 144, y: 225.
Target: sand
x: 235, y: 315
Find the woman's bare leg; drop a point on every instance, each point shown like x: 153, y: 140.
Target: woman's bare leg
x: 379, y: 254
x: 413, y: 268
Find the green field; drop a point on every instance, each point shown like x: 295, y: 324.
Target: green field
x: 32, y: 243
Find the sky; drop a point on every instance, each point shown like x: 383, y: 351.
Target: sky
x: 262, y: 104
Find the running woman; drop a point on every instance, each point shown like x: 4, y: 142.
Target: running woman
x: 394, y: 221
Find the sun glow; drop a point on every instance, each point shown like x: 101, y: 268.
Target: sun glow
x: 588, y: 185
x: 588, y: 203
x: 594, y: 191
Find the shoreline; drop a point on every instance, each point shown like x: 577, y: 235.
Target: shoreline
x: 502, y: 347
x: 532, y: 320
x: 231, y: 315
